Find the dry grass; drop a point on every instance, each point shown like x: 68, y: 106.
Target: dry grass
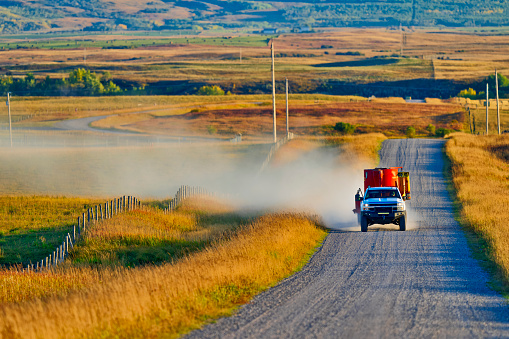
x: 466, y: 56
x: 316, y: 118
x: 171, y: 299
x: 360, y: 149
x: 147, y: 236
x: 16, y: 287
x: 481, y: 179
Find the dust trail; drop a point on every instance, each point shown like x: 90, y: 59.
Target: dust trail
x: 321, y: 181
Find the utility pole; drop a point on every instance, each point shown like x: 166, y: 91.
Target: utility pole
x: 498, y: 107
x: 9, y: 110
x: 487, y: 107
x: 273, y: 91
x: 400, y: 40
x: 287, y: 125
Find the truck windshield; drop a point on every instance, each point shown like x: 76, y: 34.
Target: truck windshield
x: 382, y: 194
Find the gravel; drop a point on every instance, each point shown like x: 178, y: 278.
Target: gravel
x: 384, y: 283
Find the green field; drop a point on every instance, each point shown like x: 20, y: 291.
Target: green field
x: 36, y: 42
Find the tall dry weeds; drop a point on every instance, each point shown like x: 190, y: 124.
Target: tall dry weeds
x: 481, y: 179
x: 170, y: 299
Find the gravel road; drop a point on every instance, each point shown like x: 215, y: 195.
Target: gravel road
x: 83, y: 124
x: 413, y: 284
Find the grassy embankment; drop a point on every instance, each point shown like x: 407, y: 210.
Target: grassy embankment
x: 480, y: 174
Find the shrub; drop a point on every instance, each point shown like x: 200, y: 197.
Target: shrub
x: 442, y: 132
x: 410, y: 132
x: 468, y: 93
x: 431, y: 129
x: 211, y: 129
x: 210, y: 90
x: 344, y: 128
x: 350, y: 53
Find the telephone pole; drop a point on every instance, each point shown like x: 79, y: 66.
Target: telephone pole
x: 273, y: 91
x: 498, y: 107
x: 487, y: 107
x: 9, y: 110
x: 400, y: 40
x: 287, y: 125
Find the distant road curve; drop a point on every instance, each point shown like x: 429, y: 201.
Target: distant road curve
x: 83, y: 124
x: 422, y: 283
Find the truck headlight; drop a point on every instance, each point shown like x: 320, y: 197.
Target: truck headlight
x: 364, y: 207
x: 401, y: 206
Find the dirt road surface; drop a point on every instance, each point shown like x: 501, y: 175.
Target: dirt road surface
x: 384, y: 283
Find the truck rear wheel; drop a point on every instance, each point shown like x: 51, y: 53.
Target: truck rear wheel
x: 402, y: 223
x: 364, y: 224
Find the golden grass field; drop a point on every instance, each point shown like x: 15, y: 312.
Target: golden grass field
x: 463, y: 55
x: 480, y: 173
x: 171, y: 298
x: 310, y: 119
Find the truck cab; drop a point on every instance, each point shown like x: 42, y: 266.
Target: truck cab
x: 382, y: 205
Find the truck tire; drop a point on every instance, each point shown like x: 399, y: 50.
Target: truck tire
x: 364, y: 224
x: 402, y: 223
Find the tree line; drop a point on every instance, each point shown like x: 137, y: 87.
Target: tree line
x: 477, y: 90
x: 80, y: 82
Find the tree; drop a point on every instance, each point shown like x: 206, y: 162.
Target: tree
x: 344, y: 128
x: 468, y: 93
x: 442, y: 132
x: 410, y: 132
x: 111, y: 87
x: 431, y: 129
x: 210, y: 90
x: 86, y: 82
x: 502, y: 80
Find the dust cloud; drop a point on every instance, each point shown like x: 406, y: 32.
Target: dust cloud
x: 320, y: 181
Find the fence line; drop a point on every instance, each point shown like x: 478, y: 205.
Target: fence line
x: 92, y: 216
x: 185, y: 192
x: 105, y: 211
x: 274, y: 149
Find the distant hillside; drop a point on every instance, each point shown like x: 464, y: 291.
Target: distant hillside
x: 104, y: 15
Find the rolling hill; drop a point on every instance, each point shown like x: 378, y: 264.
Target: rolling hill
x: 100, y: 15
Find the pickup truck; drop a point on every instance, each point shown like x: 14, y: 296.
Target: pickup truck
x: 382, y: 205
